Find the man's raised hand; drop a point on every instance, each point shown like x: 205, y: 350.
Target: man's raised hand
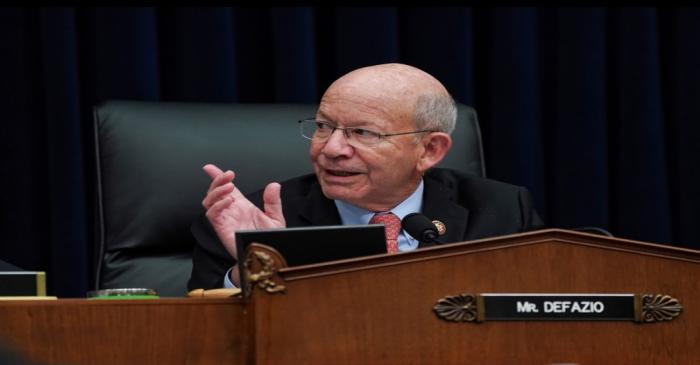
x: 228, y: 210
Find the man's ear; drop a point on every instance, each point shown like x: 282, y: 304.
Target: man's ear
x: 435, y: 147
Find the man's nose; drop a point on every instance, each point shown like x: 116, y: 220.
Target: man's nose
x: 337, y: 145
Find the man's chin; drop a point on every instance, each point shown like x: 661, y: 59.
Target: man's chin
x: 339, y: 193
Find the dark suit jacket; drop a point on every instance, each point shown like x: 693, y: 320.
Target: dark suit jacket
x: 470, y: 207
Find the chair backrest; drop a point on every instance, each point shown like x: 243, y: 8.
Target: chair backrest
x: 149, y: 158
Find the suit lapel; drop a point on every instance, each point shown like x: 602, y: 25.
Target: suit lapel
x: 439, y: 204
x: 317, y: 210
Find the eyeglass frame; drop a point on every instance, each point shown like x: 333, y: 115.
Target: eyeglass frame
x: 347, y: 134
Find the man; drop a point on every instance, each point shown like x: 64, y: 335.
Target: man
x: 377, y: 134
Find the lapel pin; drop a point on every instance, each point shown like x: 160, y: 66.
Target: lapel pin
x: 440, y: 227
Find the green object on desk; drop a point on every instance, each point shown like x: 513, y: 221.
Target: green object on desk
x: 123, y: 293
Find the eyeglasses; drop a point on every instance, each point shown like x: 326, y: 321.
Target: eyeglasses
x: 320, y: 131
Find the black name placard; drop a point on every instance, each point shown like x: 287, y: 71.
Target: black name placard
x: 641, y: 308
x: 22, y: 283
x: 508, y: 307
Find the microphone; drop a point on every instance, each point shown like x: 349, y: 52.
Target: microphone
x: 420, y: 228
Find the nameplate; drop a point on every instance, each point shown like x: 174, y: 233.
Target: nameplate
x: 22, y: 283
x: 595, y: 307
x: 642, y: 308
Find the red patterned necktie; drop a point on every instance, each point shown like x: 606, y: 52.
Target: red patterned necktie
x: 392, y: 227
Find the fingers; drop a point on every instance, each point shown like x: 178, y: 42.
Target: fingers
x: 220, y: 184
x: 212, y: 170
x: 222, y: 178
x: 217, y: 194
x: 273, y: 202
x: 217, y: 176
x: 219, y: 206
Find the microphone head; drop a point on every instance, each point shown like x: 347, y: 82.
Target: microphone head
x: 419, y: 227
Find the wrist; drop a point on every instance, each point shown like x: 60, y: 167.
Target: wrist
x: 234, y: 276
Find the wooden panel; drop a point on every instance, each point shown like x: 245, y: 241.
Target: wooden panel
x: 111, y: 332
x: 379, y: 310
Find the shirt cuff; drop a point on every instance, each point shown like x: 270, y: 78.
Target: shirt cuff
x: 227, y: 280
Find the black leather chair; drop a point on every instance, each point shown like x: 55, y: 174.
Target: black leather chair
x: 150, y: 182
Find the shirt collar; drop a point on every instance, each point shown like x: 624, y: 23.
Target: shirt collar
x: 354, y: 215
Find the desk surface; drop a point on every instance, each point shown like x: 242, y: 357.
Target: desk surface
x: 160, y: 331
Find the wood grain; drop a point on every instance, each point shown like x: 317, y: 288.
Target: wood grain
x: 379, y: 310
x: 163, y: 331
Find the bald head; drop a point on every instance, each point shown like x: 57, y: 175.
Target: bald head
x: 405, y: 91
x: 396, y: 78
